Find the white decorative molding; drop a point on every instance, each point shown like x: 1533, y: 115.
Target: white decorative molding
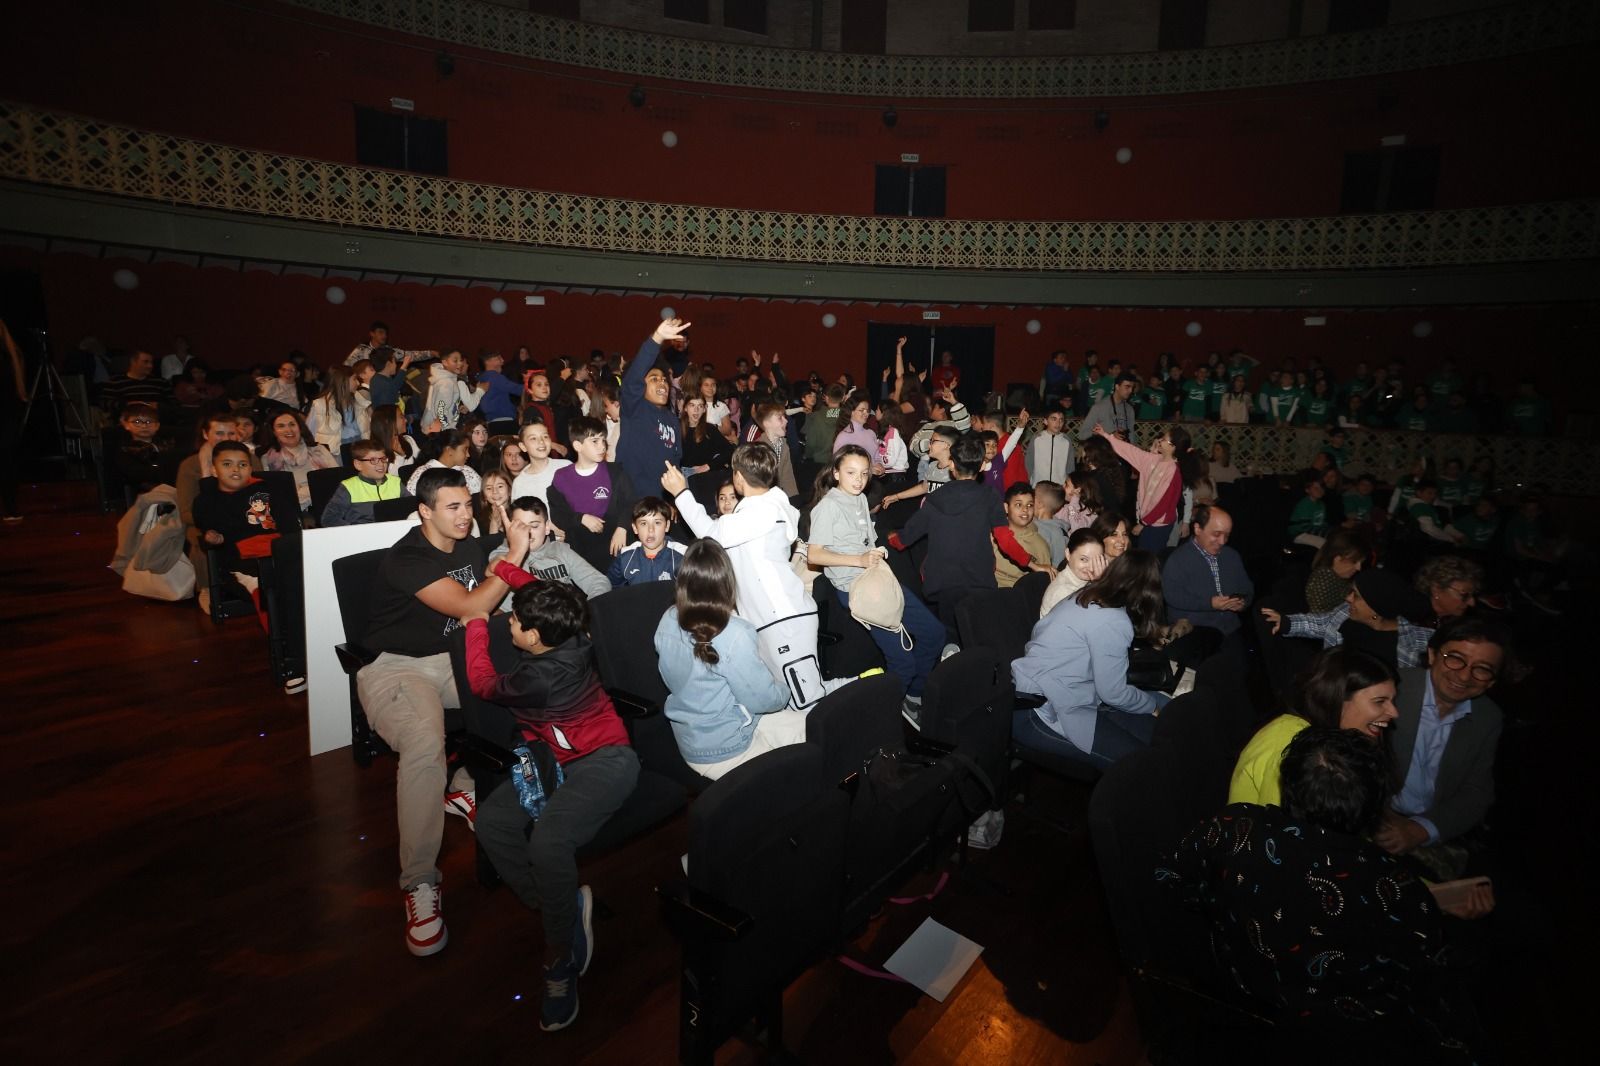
x: 1485, y: 34
x: 67, y: 151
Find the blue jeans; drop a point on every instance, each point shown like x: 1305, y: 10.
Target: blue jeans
x: 1153, y: 538
x: 1116, y: 733
x: 927, y: 635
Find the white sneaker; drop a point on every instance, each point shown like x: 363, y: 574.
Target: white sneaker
x: 911, y: 711
x: 463, y: 805
x: 985, y: 831
x: 425, y: 931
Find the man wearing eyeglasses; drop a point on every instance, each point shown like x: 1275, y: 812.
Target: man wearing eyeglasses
x: 1442, y: 744
x: 356, y: 497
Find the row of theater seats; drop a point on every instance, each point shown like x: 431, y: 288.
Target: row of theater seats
x: 789, y: 854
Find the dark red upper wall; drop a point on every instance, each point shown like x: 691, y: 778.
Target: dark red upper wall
x: 236, y: 319
x: 281, y: 79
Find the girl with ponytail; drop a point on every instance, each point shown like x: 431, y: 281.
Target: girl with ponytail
x: 724, y: 706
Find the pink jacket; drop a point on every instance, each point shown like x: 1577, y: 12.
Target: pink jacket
x: 1155, y: 474
x: 853, y: 434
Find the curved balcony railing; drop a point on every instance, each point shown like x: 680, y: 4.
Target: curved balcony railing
x: 77, y: 153
x: 1476, y: 35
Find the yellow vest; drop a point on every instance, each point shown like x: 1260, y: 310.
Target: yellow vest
x: 363, y: 491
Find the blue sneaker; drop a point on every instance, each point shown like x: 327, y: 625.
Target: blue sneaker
x: 560, y: 1006
x: 583, y: 931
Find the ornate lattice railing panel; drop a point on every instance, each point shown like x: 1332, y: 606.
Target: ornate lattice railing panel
x: 1560, y: 465
x: 77, y: 153
x: 1476, y: 35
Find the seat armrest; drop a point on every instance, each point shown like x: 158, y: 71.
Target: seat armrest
x: 486, y: 753
x: 928, y: 747
x: 631, y: 705
x: 353, y: 657
x: 695, y: 915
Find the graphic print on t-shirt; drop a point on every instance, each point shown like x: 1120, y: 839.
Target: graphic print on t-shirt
x: 468, y: 580
x: 259, y: 511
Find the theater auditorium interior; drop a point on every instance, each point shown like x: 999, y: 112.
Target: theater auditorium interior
x: 827, y: 531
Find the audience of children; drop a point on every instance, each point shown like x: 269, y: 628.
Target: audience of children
x: 738, y: 650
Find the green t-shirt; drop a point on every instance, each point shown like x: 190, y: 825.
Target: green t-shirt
x: 1195, y: 395
x: 1099, y: 390
x: 1531, y: 415
x: 1478, y: 531
x: 1277, y: 401
x: 1357, y: 506
x: 1358, y: 386
x: 1216, y: 390
x: 1442, y: 385
x: 1318, y: 409
x: 1416, y: 421
x: 1339, y: 456
x: 1152, y: 404
x: 1453, y: 491
x: 1525, y: 534
x: 1419, y: 510
x: 1308, y: 516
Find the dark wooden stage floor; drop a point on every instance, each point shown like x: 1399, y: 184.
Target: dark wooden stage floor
x: 184, y: 884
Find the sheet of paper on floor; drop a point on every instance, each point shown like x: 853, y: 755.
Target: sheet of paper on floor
x: 934, y: 959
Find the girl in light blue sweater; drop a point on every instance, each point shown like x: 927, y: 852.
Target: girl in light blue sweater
x: 725, y: 707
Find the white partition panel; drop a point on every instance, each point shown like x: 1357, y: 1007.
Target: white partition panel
x: 329, y: 689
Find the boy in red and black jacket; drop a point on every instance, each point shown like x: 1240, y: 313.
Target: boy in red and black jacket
x: 556, y: 698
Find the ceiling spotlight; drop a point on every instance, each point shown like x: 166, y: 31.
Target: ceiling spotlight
x: 1102, y: 119
x: 636, y: 96
x: 445, y: 64
x: 890, y: 117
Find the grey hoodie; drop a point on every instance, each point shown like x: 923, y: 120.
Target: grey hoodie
x: 555, y: 561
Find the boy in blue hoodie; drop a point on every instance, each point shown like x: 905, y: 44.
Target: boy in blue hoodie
x: 553, y: 692
x: 650, y: 435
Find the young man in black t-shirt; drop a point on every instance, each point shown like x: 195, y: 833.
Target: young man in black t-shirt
x: 433, y: 576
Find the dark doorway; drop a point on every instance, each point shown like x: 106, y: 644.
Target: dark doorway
x: 864, y: 26
x: 1390, y: 179
x: 914, y: 191
x: 401, y: 142
x: 972, y: 346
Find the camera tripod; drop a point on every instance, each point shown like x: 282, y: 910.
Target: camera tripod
x: 70, y: 431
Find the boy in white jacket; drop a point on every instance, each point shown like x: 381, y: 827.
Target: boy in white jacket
x: 759, y: 536
x: 448, y: 394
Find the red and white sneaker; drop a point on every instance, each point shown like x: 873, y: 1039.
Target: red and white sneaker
x: 462, y: 805
x: 425, y: 931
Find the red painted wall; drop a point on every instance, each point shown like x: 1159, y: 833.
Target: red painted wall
x: 236, y: 319
x: 280, y: 78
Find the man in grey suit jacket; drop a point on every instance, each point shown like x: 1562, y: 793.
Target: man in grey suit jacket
x: 1442, y: 743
